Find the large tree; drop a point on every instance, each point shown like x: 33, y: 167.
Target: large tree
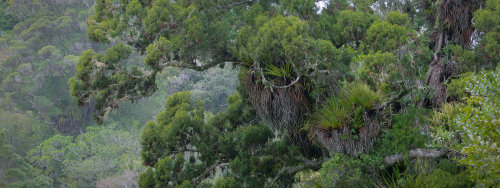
x: 365, y: 61
x: 271, y: 40
x: 286, y: 47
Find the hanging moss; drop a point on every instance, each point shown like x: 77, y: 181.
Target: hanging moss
x: 281, y: 109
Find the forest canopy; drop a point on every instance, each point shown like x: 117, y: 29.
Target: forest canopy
x: 327, y: 81
x: 254, y: 93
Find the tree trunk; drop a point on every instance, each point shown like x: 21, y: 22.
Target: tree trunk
x: 435, y: 76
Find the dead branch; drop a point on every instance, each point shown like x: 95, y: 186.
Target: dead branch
x: 208, y: 170
x: 416, y: 153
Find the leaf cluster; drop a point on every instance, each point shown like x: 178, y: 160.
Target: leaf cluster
x: 348, y: 107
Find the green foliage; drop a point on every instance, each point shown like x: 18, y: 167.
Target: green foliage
x: 471, y: 127
x: 376, y: 69
x: 286, y: 72
x: 146, y: 179
x: 35, y: 67
x: 351, y: 26
x: 279, y: 41
x: 231, y: 137
x: 179, y: 123
x: 397, y: 18
x: 348, y: 107
x: 253, y: 136
x: 24, y: 126
x: 466, y: 58
x: 106, y: 88
x: 185, y: 184
x: 176, y: 130
x: 457, y: 87
x: 388, y: 35
x: 406, y: 133
x: 343, y: 171
x: 49, y: 155
x: 276, y: 40
x: 7, y: 22
x: 298, y: 7
x: 226, y: 182
x: 14, y: 171
x: 164, y: 170
x: 486, y: 20
x: 135, y: 8
x: 98, y: 153
x: 426, y: 173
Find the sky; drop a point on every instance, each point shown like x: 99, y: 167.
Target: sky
x: 321, y: 5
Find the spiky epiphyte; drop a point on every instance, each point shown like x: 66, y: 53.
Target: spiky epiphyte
x: 349, y: 122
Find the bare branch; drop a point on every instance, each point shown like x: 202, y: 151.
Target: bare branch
x: 416, y: 153
x: 208, y: 170
x: 264, y: 80
x: 307, y: 164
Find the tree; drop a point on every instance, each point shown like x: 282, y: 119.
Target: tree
x: 97, y: 154
x: 17, y: 125
x: 198, y: 35
x: 453, y: 25
x: 292, y: 61
x: 7, y: 22
x: 485, y: 20
x: 470, y: 127
x: 37, y: 55
x: 14, y: 171
x: 187, y: 148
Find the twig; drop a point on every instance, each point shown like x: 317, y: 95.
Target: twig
x: 197, y: 179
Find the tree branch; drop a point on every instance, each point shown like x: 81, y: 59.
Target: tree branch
x: 307, y: 164
x: 204, y: 174
x: 194, y: 66
x: 436, y: 58
x: 264, y: 80
x: 393, y: 98
x: 416, y: 153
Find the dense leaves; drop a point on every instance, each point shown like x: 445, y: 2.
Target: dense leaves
x: 37, y: 56
x: 348, y: 108
x: 329, y: 93
x: 471, y: 127
x: 14, y: 171
x: 187, y: 148
x: 392, y: 58
x: 99, y: 153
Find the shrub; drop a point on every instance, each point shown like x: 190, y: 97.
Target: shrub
x: 226, y: 182
x: 424, y: 173
x: 342, y: 171
x: 146, y: 179
x: 406, y: 132
x: 471, y: 128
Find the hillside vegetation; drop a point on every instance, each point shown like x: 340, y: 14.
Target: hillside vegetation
x: 249, y: 93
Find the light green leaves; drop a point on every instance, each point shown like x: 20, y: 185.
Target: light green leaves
x: 472, y: 127
x: 135, y: 8
x: 384, y: 36
x: 348, y: 108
